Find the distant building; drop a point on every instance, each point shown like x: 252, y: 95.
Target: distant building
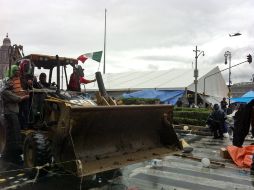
x: 240, y: 89
x: 4, y: 57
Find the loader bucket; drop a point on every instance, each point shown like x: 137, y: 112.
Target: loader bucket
x: 105, y: 138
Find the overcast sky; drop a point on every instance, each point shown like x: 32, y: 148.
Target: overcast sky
x: 141, y: 34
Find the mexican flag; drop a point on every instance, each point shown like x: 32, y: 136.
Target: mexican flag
x: 96, y: 56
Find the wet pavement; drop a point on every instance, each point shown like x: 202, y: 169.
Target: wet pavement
x: 170, y: 172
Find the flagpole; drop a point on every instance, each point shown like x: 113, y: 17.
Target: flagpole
x: 104, y: 55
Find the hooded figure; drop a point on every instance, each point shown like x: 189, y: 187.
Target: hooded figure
x: 14, y: 69
x: 14, y: 76
x: 11, y: 110
x: 216, y: 122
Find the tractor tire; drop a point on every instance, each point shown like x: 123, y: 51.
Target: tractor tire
x: 37, y: 152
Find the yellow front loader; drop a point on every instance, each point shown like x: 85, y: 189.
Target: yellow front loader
x: 86, y: 137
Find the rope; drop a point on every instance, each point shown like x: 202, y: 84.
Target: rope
x: 38, y: 167
x: 30, y: 109
x: 80, y: 183
x: 78, y: 161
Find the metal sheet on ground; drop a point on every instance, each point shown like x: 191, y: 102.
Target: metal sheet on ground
x: 169, y: 172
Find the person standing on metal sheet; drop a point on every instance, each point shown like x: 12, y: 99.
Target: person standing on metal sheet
x: 77, y: 78
x: 216, y: 122
x: 244, y: 117
x: 11, y: 111
x: 223, y: 105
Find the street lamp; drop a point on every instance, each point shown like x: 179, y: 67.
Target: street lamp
x: 204, y: 92
x: 196, y: 72
x: 227, y: 56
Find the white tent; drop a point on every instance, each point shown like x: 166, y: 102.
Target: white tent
x: 174, y: 79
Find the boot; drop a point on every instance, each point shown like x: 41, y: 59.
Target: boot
x: 252, y: 166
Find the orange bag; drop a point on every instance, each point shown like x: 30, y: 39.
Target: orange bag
x: 241, y: 156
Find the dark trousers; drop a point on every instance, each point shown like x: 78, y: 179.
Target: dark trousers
x: 24, y: 109
x: 217, y: 131
x: 217, y: 128
x: 14, y: 145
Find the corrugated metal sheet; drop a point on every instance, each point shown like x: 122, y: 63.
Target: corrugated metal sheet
x: 175, y: 172
x: 168, y: 173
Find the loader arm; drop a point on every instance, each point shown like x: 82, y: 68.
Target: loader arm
x: 102, y: 96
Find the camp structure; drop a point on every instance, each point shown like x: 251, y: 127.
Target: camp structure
x: 246, y: 98
x: 174, y: 83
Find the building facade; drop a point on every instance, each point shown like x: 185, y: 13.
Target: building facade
x: 240, y: 89
x: 4, y: 56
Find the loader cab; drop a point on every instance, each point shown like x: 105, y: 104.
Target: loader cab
x: 55, y: 67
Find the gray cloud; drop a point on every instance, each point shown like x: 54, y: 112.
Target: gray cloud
x: 163, y: 58
x: 237, y: 54
x: 71, y: 28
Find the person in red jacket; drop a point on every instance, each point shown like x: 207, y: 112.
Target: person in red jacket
x: 77, y: 78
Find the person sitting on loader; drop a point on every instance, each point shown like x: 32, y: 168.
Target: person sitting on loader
x: 216, y: 122
x: 43, y: 81
x: 26, y: 76
x: 77, y: 78
x: 11, y: 111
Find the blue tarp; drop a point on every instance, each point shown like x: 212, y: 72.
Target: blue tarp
x: 246, y: 98
x: 165, y: 96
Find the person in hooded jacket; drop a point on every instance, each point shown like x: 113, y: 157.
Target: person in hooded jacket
x: 11, y: 113
x: 216, y: 122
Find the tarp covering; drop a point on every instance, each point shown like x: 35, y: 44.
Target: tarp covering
x: 165, y: 96
x: 246, y: 98
x: 241, y: 156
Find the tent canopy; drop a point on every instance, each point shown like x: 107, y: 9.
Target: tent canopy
x: 210, y: 81
x: 165, y: 96
x: 246, y: 98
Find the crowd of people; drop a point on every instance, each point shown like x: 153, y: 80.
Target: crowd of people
x: 226, y: 120
x: 233, y: 119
